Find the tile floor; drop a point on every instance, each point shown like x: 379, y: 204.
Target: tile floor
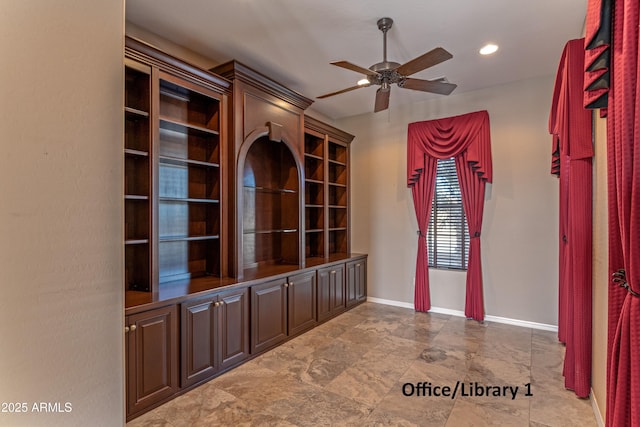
x: 369, y: 366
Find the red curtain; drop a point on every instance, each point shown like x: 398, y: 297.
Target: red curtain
x: 570, y: 124
x: 467, y: 138
x: 623, y: 162
x: 422, y: 192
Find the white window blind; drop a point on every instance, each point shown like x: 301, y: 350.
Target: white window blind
x: 447, y: 235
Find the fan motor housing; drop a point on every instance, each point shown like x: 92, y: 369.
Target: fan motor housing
x: 384, y: 66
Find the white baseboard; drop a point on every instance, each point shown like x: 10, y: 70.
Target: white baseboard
x: 458, y: 313
x: 596, y: 409
x: 391, y: 302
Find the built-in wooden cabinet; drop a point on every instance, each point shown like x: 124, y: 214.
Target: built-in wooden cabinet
x: 214, y: 334
x: 282, y: 308
x: 331, y: 291
x: 152, y: 357
x: 236, y: 233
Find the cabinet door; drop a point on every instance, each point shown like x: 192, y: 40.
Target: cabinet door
x: 234, y: 327
x: 200, y: 325
x: 361, y: 280
x: 331, y: 291
x: 324, y: 294
x: 152, y: 365
x: 336, y: 275
x: 356, y: 282
x: 268, y: 315
x: 352, y: 284
x: 301, y: 302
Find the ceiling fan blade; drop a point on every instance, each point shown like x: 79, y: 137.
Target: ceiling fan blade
x: 434, y: 86
x: 349, y: 66
x: 341, y: 91
x: 429, y: 59
x: 382, y: 100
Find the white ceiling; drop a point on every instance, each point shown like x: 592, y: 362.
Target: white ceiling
x: 293, y: 41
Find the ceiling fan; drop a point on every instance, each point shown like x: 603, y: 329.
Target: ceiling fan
x: 386, y: 73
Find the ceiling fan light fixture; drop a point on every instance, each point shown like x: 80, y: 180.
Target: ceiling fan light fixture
x: 387, y: 73
x: 488, y: 49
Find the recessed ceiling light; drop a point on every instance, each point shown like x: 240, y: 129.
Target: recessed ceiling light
x: 488, y: 49
x: 363, y: 82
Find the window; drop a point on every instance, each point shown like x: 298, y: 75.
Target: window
x: 447, y: 235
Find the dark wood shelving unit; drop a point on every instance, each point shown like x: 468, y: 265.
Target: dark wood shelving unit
x: 188, y: 160
x: 326, y: 190
x: 236, y: 209
x: 137, y: 176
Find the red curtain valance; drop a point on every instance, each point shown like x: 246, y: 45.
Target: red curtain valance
x: 448, y: 137
x: 467, y: 139
x: 597, y: 54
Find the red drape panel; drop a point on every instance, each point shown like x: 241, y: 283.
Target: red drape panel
x: 570, y: 124
x: 564, y: 270
x: 623, y: 161
x: 472, y: 190
x: 467, y: 138
x: 422, y: 192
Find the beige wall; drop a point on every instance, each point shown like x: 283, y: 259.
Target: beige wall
x: 519, y: 238
x: 600, y: 267
x: 61, y: 310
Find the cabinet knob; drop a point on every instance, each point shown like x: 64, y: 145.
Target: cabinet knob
x: 286, y: 285
x: 221, y: 303
x: 216, y: 304
x: 133, y: 328
x: 126, y: 329
x: 290, y: 283
x: 358, y: 265
x: 333, y: 272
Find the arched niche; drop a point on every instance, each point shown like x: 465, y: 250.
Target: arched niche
x: 269, y: 188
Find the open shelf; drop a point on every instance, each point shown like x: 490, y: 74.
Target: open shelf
x: 337, y: 196
x: 270, y: 190
x: 184, y: 106
x: 270, y: 200
x: 314, y: 244
x: 337, y: 174
x: 326, y: 156
x: 337, y: 153
x: 314, y: 145
x: 182, y: 142
x: 187, y: 259
x: 137, y: 84
x: 188, y: 181
x: 134, y: 112
x: 314, y: 217
x: 137, y: 267
x: 313, y: 169
x: 175, y: 125
x: 137, y: 177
